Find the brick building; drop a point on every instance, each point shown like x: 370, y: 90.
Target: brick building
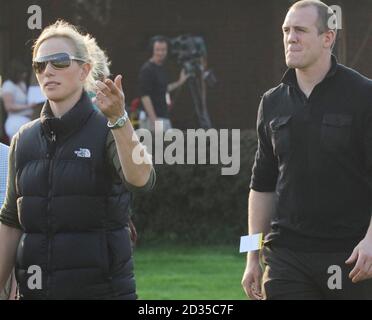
x: 243, y: 38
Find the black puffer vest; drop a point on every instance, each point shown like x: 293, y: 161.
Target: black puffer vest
x: 73, y: 209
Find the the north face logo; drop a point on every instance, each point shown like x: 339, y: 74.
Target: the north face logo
x: 83, y: 153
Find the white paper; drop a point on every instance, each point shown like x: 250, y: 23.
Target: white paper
x: 251, y: 243
x: 35, y: 95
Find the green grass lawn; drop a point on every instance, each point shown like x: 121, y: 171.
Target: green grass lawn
x: 174, y: 273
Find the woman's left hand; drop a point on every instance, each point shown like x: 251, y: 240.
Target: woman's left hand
x: 110, y: 98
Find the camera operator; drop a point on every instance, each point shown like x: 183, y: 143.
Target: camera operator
x: 154, y: 85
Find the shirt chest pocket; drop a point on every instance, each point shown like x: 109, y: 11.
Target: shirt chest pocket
x: 336, y: 132
x: 281, y: 135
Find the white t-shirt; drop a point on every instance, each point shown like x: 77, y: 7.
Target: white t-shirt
x: 3, y: 171
x: 20, y: 97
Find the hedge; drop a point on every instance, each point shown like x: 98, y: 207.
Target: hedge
x: 195, y: 204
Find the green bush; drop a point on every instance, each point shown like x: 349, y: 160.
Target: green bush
x: 195, y: 204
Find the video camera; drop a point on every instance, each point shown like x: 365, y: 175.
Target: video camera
x: 191, y: 54
x: 187, y: 48
x: 189, y: 51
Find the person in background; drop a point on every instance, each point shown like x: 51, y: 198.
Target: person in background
x: 14, y: 95
x: 154, y: 85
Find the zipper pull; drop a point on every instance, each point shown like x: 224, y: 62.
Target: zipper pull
x: 54, y: 137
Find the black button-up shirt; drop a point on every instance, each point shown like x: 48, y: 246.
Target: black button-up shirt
x: 316, y: 154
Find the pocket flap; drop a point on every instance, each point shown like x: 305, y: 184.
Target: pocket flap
x: 279, y: 122
x: 337, y: 120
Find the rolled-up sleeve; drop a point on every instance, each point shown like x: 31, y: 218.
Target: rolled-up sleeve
x: 265, y: 167
x: 114, y: 162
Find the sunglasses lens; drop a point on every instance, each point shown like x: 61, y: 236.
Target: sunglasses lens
x: 39, y: 67
x: 58, y: 61
x: 61, y: 62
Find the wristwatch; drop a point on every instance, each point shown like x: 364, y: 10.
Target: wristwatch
x: 120, y: 122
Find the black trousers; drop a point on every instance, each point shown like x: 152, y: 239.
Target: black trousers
x: 292, y: 275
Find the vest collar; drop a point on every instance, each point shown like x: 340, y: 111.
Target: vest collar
x: 70, y: 122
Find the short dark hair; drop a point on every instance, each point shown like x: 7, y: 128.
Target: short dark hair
x: 158, y: 38
x: 15, y: 70
x: 325, y: 13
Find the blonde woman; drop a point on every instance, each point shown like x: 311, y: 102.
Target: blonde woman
x: 64, y: 220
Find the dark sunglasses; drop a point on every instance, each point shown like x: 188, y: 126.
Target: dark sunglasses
x: 58, y: 61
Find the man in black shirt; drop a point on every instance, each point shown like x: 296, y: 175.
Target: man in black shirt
x: 312, y: 177
x: 154, y: 85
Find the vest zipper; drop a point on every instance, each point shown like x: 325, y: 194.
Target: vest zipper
x: 51, y: 152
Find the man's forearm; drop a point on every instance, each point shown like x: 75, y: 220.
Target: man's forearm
x: 173, y: 86
x: 261, y: 207
x: 149, y: 107
x: 9, y: 239
x: 260, y: 211
x: 369, y: 231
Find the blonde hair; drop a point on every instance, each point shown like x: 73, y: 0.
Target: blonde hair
x: 86, y: 48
